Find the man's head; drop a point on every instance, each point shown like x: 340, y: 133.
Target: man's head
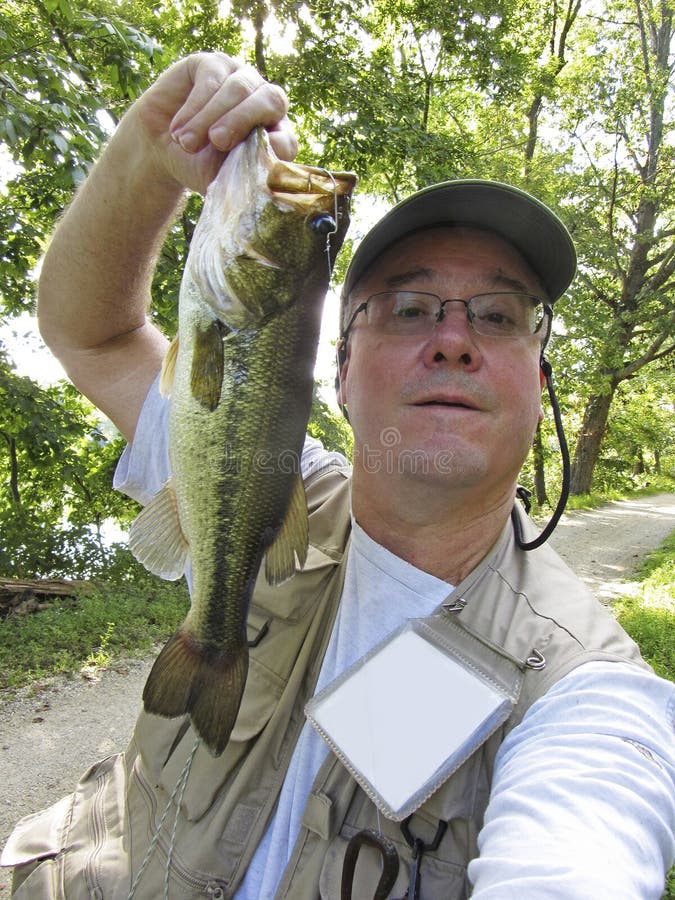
x: 454, y: 386
x: 517, y: 217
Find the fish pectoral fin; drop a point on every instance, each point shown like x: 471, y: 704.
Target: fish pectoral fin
x: 207, y: 682
x: 156, y: 538
x: 208, y: 365
x: 168, y: 369
x: 250, y: 253
x: 291, y: 541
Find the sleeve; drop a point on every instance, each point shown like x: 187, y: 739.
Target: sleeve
x: 144, y: 465
x: 582, y: 802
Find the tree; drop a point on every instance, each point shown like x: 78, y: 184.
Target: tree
x: 56, y: 468
x: 622, y: 313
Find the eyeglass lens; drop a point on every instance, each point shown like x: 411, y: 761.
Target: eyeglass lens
x: 498, y: 314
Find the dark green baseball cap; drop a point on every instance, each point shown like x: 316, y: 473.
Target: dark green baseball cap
x: 516, y: 216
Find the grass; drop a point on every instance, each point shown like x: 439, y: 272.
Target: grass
x: 659, y: 484
x: 648, y: 615
x: 104, y: 623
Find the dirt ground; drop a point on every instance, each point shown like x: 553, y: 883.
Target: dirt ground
x: 50, y: 734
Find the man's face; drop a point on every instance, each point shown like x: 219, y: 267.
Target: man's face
x: 453, y: 406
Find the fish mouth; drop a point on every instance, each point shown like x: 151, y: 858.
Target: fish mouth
x: 308, y: 189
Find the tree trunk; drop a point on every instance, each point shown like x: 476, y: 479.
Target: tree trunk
x: 589, y: 440
x: 639, y: 467
x: 13, y: 468
x: 539, y: 471
x: 260, y: 12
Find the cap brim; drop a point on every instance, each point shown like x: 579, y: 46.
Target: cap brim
x: 522, y: 220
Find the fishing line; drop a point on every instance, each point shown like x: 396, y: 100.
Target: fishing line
x: 178, y: 791
x: 335, y: 220
x: 179, y: 800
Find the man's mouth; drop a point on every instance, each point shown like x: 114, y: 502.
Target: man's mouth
x: 449, y: 403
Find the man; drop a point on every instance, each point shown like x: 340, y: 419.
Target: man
x: 446, y: 312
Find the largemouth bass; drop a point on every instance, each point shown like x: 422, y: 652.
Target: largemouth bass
x: 240, y: 377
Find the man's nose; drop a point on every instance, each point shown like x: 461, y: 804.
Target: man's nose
x: 453, y: 338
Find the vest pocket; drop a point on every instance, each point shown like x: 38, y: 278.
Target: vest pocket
x: 438, y: 877
x: 32, y: 849
x: 35, y: 879
x: 74, y: 848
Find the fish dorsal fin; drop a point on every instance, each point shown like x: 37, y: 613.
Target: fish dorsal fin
x: 156, y: 538
x: 168, y: 369
x: 291, y: 540
x: 208, y: 361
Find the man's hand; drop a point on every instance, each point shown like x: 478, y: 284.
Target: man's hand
x: 201, y: 108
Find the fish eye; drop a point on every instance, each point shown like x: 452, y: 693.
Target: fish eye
x: 323, y: 224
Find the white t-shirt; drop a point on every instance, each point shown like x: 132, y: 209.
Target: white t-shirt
x: 582, y: 802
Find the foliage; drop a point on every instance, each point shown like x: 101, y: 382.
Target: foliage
x: 68, y: 72
x: 329, y: 427
x: 106, y: 622
x: 56, y: 468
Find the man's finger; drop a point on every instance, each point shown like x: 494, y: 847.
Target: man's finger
x: 283, y: 139
x: 207, y: 72
x: 224, y: 110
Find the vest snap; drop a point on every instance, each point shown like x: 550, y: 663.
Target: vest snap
x: 457, y: 606
x: 536, y: 660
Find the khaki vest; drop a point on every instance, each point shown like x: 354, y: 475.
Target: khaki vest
x: 94, y: 842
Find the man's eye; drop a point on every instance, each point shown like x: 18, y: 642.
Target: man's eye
x: 410, y: 311
x: 497, y: 318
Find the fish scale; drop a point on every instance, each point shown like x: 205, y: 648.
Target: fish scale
x: 241, y: 380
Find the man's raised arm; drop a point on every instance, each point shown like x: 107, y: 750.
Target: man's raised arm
x: 95, y: 282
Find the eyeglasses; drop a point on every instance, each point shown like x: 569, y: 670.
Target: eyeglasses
x: 502, y: 314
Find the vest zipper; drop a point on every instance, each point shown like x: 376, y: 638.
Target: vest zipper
x: 99, y: 833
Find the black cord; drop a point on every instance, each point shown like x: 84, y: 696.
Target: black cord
x: 564, y: 452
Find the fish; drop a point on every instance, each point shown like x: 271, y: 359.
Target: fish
x: 240, y: 378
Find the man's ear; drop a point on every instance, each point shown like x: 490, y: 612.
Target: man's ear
x: 342, y: 351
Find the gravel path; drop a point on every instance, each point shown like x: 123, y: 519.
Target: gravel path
x: 50, y: 734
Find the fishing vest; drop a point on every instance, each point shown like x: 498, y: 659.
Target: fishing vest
x: 133, y: 811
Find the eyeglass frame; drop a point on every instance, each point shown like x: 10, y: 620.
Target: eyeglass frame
x: 546, y: 308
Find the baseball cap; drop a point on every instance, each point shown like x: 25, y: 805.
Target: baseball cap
x: 518, y: 217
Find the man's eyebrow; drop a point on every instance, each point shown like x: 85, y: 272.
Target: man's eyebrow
x: 403, y: 278
x: 500, y: 279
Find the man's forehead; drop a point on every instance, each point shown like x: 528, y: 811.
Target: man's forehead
x: 496, y: 261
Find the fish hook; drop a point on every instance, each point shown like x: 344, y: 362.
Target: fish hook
x: 324, y: 224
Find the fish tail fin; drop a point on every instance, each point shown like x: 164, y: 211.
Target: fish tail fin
x: 191, y: 677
